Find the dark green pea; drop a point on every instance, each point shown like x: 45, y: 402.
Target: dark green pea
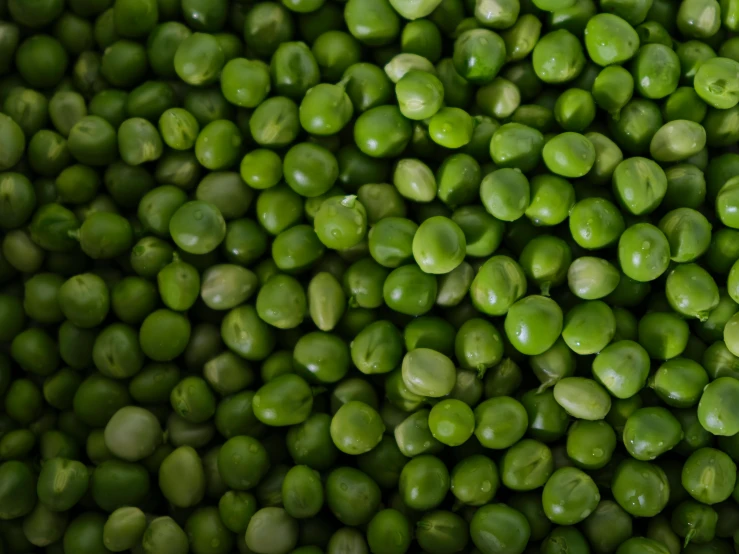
x: 23, y: 401
x: 48, y: 154
x: 499, y: 283
x: 199, y: 59
x: 475, y: 480
x: 133, y: 433
x: 310, y: 442
x: 478, y: 345
x: 451, y: 127
x: 622, y: 367
x: 356, y: 428
x: 181, y: 464
x: 109, y: 105
x: 225, y: 286
x: 197, y: 227
x: 286, y: 400
x: 608, y: 515
x: 124, y: 529
x: 293, y: 69
x: 413, y: 435
x: 582, y: 398
x: 499, y: 526
x: 592, y: 278
x: 500, y: 422
x: 691, y: 291
x: 158, y: 325
x: 154, y: 383
x: 430, y: 332
x: 569, y: 496
x: 442, y: 531
x: 694, y: 522
x: 516, y: 146
x: 343, y: 487
x: 35, y: 351
x: 589, y: 327
x: 545, y: 260
x: 686, y: 187
x: 712, y: 329
x: 439, y: 245
x: 382, y: 132
x: 650, y: 432
x: 335, y: 51
x: 424, y: 482
x: 150, y: 101
x: 569, y: 154
x: 40, y: 298
x: 712, y: 408
x: 713, y: 71
x: 242, y: 462
x: 296, y: 248
x: 478, y: 55
x: 84, y: 300
x: 41, y: 60
x: 409, y: 290
x: 281, y: 302
x: 236, y: 508
x: 218, y: 145
x: 414, y: 180
x: 92, y: 141
x: 164, y: 534
x: 62, y: 483
x: 156, y: 208
x: 428, y: 373
x: 325, y: 109
x: 709, y: 475
x: 637, y: 123
x: 378, y: 348
x: 663, y: 335
x: 275, y: 122
x: 533, y: 324
x: 613, y: 89
x: 178, y: 128
x: 640, y: 488
x: 643, y: 252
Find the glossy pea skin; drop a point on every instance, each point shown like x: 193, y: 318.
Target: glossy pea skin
x: 709, y: 462
x: 424, y: 482
x: 498, y: 525
x: 641, y: 488
x: 533, y: 324
x: 582, y: 398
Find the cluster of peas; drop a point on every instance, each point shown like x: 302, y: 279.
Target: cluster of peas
x: 387, y: 276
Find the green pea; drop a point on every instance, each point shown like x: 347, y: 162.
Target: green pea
x: 499, y: 526
x: 582, y: 398
x: 505, y: 193
x: 643, y: 252
x: 558, y: 57
x: 479, y: 54
x: 569, y: 496
x: 713, y: 408
x: 424, y: 482
x: 721, y: 72
x: 552, y: 198
x: 589, y: 327
x: 275, y: 122
x: 356, y: 428
x: 382, y: 131
x: 73, y: 478
x: 622, y: 368
x: 709, y: 462
x: 500, y: 422
x: 527, y: 465
x: 286, y: 400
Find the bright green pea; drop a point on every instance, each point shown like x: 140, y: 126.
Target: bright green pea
x: 558, y: 57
